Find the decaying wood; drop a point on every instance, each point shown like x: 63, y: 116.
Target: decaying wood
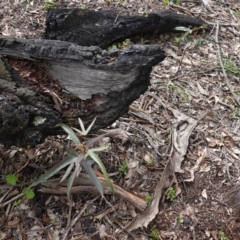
x: 83, y: 184
x: 91, y: 82
x: 73, y: 81
x: 93, y: 28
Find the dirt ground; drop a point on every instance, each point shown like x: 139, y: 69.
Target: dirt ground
x: 199, y: 78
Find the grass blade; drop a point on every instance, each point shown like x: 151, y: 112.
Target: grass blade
x: 70, y: 132
x: 87, y: 165
x: 96, y: 159
x: 56, y: 168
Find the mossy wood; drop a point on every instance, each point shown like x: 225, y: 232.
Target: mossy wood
x: 73, y: 81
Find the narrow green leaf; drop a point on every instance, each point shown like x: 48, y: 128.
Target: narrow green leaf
x: 90, y: 126
x: 96, y: 140
x: 68, y: 160
x: 82, y: 126
x: 96, y: 159
x: 70, y: 183
x: 70, y: 132
x: 87, y: 165
x: 84, y: 131
x: 184, y: 29
x: 69, y: 169
x: 77, y: 130
x: 99, y: 149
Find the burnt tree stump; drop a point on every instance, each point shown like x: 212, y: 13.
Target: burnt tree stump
x: 67, y: 75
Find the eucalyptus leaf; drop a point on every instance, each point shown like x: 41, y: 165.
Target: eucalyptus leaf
x: 70, y: 182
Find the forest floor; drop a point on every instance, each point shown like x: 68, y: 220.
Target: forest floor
x: 198, y: 79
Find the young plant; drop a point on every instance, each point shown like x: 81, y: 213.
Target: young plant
x: 236, y: 112
x: 167, y: 2
x: 123, y: 167
x: 154, y: 233
x: 12, y: 180
x: 120, y: 45
x: 180, y: 219
x: 171, y: 194
x: 48, y: 4
x: 223, y: 236
x: 81, y: 156
x: 231, y: 68
x: 149, y: 198
x: 179, y: 91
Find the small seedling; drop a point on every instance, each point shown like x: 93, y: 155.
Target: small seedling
x: 120, y: 45
x: 123, y: 167
x: 48, y: 4
x: 80, y: 156
x: 230, y: 67
x: 149, y: 161
x: 11, y: 179
x: 29, y: 193
x: 180, y: 219
x: 167, y: 2
x: 149, y: 198
x: 17, y: 203
x: 154, y: 233
x: 236, y: 112
x: 171, y: 194
x: 179, y: 91
x: 223, y: 236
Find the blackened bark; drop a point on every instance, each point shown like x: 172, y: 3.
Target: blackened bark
x: 83, y: 80
x: 91, y: 28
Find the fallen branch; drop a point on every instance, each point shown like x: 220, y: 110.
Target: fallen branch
x: 83, y: 184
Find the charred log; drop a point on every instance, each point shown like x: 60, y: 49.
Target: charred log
x: 73, y: 77
x: 91, y: 28
x: 90, y: 82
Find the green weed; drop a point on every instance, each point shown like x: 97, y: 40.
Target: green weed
x: 179, y: 91
x: 154, y: 233
x: 180, y: 219
x: 149, y: 198
x: 12, y: 180
x: 120, y: 45
x: 48, y: 4
x: 236, y: 112
x: 80, y: 156
x: 123, y: 167
x: 167, y: 2
x: 223, y: 236
x: 171, y: 194
x: 231, y: 68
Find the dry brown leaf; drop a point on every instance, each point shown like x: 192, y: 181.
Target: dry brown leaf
x: 203, y: 155
x: 182, y: 127
x: 201, y: 90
